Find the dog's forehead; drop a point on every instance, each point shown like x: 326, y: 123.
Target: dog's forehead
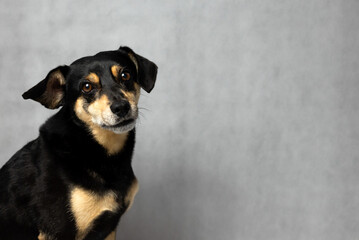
x: 100, y: 63
x: 103, y: 58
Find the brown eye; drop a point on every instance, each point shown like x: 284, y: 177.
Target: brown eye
x: 125, y: 76
x: 87, y: 87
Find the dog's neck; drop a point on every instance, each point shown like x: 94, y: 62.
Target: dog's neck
x: 112, y: 142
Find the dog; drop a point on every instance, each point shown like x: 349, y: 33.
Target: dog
x: 75, y: 180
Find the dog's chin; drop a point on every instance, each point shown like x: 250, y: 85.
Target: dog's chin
x: 121, y: 127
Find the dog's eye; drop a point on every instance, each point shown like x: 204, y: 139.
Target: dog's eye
x: 125, y: 76
x: 87, y: 87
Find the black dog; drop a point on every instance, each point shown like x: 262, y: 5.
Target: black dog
x: 75, y: 180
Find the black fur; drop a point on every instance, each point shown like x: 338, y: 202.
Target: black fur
x: 35, y: 183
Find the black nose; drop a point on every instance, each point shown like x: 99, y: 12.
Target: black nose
x: 120, y: 108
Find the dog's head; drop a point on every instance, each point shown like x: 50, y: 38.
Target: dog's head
x: 103, y: 90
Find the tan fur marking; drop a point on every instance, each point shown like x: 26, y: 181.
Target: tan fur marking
x: 86, y: 206
x: 138, y: 91
x: 115, y: 69
x: 112, y: 236
x: 132, y: 57
x: 80, y: 111
x: 99, y: 106
x: 58, y: 75
x: 92, y: 77
x: 131, y: 193
x: 53, y: 94
x: 111, y: 141
x: 41, y: 236
x: 133, y: 97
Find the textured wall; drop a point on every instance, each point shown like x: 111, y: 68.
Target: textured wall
x: 252, y: 130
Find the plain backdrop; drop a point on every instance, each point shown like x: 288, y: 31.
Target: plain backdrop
x: 252, y: 129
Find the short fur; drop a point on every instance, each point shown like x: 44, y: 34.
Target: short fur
x: 75, y: 180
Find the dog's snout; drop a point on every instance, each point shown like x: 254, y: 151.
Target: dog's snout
x: 120, y: 108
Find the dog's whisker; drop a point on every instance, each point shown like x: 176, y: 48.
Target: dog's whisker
x: 143, y: 108
x: 141, y: 115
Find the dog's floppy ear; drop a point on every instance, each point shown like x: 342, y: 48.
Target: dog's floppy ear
x: 50, y: 91
x: 146, y: 70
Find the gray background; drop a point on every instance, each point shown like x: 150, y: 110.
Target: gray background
x: 252, y: 130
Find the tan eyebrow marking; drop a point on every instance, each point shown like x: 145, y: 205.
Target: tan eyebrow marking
x: 92, y: 77
x: 115, y: 69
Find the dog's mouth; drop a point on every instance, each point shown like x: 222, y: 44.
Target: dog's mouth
x: 122, y: 126
x: 124, y: 123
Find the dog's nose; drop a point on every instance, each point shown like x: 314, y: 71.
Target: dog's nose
x: 120, y: 108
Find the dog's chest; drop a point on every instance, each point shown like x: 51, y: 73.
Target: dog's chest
x: 87, y: 206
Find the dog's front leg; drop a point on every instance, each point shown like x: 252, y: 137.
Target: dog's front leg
x: 43, y: 236
x: 112, y: 236
x: 104, y: 227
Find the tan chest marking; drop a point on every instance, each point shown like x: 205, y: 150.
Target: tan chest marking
x: 86, y: 206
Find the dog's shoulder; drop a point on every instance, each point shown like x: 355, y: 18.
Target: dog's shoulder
x: 21, y: 164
